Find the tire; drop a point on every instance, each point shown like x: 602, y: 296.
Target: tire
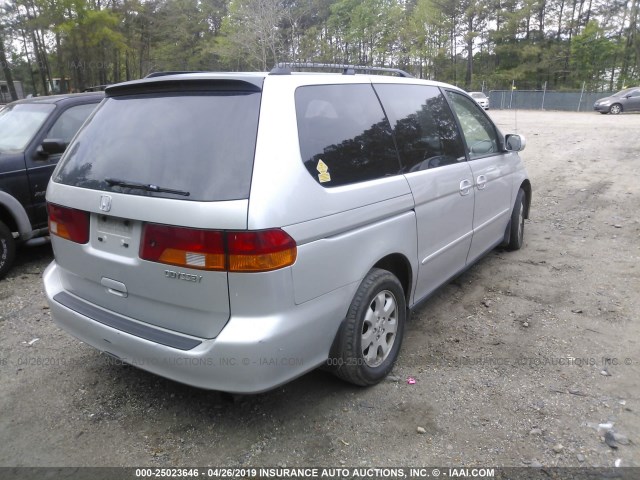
x: 516, y: 225
x: 615, y: 109
x: 7, y: 250
x: 361, y: 354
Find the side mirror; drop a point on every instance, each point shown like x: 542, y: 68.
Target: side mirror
x: 515, y: 143
x: 52, y: 146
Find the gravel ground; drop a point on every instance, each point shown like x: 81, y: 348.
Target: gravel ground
x: 529, y: 358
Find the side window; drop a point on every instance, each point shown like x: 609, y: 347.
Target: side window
x: 344, y: 134
x: 70, y: 121
x: 424, y: 127
x: 478, y: 130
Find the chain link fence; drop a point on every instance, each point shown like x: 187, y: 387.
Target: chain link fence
x: 544, y: 100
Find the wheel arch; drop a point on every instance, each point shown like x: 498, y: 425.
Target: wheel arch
x: 619, y: 105
x: 7, y: 218
x: 399, y: 265
x: 526, y: 186
x: 13, y: 214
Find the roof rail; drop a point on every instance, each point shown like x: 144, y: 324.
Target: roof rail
x: 162, y: 74
x: 285, y: 68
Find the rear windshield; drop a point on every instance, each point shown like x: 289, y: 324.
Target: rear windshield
x: 191, y: 146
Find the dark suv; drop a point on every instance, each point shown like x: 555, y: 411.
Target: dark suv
x: 33, y: 134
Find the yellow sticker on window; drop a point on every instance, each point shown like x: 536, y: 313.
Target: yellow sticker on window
x: 324, y: 175
x: 322, y: 167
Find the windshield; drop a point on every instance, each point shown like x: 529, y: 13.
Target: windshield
x: 167, y: 145
x: 19, y: 123
x: 478, y: 95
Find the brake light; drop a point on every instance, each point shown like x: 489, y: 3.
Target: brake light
x: 68, y: 223
x: 259, y: 251
x: 184, y: 247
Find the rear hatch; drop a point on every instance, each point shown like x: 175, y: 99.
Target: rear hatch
x: 142, y: 201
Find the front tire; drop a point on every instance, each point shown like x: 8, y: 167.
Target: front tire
x: 369, y: 340
x: 516, y: 233
x: 7, y: 249
x: 615, y: 109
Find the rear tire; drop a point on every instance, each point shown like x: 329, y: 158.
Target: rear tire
x: 516, y: 233
x: 7, y: 249
x: 368, y: 342
x: 615, y: 109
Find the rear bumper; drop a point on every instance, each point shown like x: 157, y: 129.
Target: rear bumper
x: 250, y: 355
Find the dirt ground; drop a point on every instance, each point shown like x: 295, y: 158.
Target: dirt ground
x: 529, y: 358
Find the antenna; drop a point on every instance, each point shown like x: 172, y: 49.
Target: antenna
x: 515, y: 107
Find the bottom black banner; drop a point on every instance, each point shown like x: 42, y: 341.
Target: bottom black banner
x: 330, y: 473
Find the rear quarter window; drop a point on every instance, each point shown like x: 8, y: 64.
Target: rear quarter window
x: 202, y: 143
x: 344, y: 134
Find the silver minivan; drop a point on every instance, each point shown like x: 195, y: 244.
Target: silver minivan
x: 233, y: 231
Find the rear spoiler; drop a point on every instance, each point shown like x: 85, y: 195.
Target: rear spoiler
x: 187, y: 83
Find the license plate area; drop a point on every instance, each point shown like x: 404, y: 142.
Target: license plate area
x: 115, y: 235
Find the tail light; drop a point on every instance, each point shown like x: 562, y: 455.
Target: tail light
x: 259, y: 251
x: 184, y: 247
x: 68, y: 223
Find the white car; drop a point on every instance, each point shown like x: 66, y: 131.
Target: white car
x: 481, y: 99
x: 233, y: 231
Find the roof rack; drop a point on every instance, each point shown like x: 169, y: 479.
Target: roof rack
x: 285, y: 68
x: 162, y: 74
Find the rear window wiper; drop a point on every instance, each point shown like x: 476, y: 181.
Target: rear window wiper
x: 149, y: 187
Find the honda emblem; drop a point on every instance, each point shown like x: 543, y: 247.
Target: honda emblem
x: 105, y: 203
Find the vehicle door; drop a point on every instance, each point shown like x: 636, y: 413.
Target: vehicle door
x: 493, y: 171
x: 633, y: 101
x: 432, y: 154
x: 61, y: 127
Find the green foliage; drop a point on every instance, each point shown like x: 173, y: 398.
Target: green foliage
x: 474, y: 43
x: 590, y: 51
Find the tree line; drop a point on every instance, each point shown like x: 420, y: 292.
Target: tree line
x: 69, y: 45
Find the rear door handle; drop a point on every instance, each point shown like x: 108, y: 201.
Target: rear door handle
x: 465, y: 187
x: 481, y: 182
x: 114, y: 287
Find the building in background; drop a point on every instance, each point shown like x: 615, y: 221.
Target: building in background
x: 59, y: 85
x: 5, y: 96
